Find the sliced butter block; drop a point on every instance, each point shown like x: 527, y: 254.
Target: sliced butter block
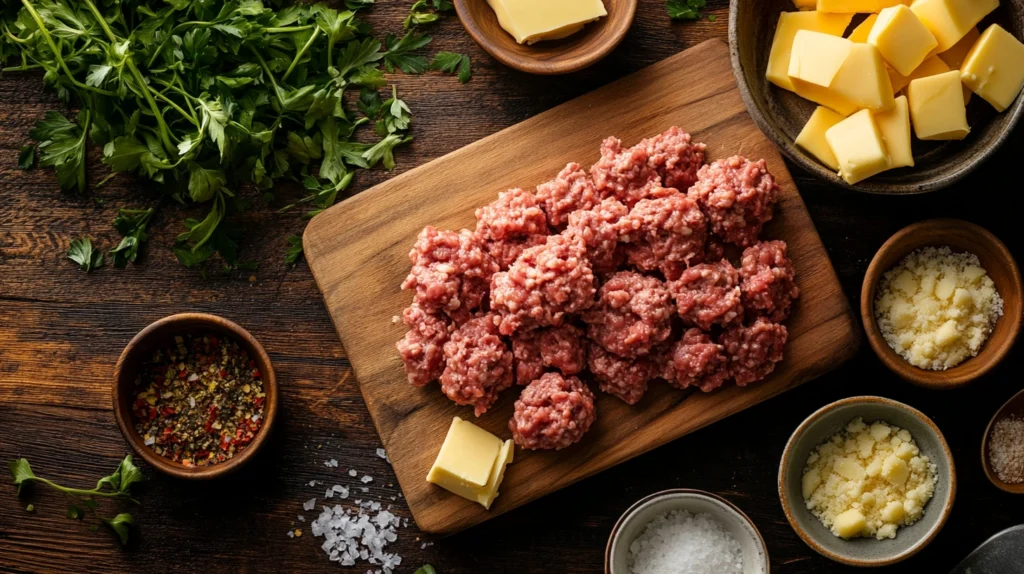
x: 825, y: 97
x: 812, y: 137
x: 902, y: 39
x: 858, y: 146
x: 490, y: 491
x: 805, y: 4
x: 955, y: 56
x: 861, y: 32
x: 937, y: 107
x: 862, y: 82
x: 466, y: 463
x: 817, y: 57
x: 894, y: 126
x: 994, y: 68
x: 951, y: 20
x: 854, y: 6
x: 531, y: 21
x: 782, y: 45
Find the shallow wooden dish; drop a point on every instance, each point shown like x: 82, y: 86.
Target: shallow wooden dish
x: 995, y: 258
x: 1013, y: 407
x: 141, y: 348
x: 595, y: 41
x: 781, y: 114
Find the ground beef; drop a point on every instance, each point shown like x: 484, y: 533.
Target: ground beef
x: 478, y: 364
x: 738, y: 196
x: 714, y: 250
x: 510, y: 224
x: 674, y: 157
x: 599, y: 230
x: 571, y: 190
x: 754, y: 350
x: 696, y: 361
x: 554, y: 347
x: 623, y: 378
x: 450, y: 273
x: 666, y: 233
x: 422, y: 348
x: 632, y: 315
x: 768, y: 285
x: 624, y: 174
x: 552, y: 413
x: 708, y: 294
x: 544, y: 285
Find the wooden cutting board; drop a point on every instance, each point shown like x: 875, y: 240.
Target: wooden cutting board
x: 358, y: 251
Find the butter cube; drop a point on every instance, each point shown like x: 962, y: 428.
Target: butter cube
x: 810, y: 483
x: 852, y: 6
x: 531, y: 21
x: 902, y: 39
x: 817, y: 57
x: 805, y: 4
x: 951, y: 20
x: 471, y: 462
x: 812, y: 137
x: 895, y: 470
x: 893, y: 513
x: 955, y: 56
x: 863, y: 79
x: 947, y: 334
x: 894, y: 125
x: 861, y: 32
x: 937, y: 107
x: 858, y: 146
x: 994, y: 68
x: 849, y: 524
x: 782, y: 44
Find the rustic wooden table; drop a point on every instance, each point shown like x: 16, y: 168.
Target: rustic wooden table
x: 61, y: 332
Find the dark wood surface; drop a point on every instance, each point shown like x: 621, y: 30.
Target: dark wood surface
x: 62, y: 331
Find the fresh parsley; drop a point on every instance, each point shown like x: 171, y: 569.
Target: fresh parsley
x: 451, y: 63
x: 685, y: 9
x: 82, y: 253
x: 82, y: 502
x: 426, y: 569
x: 27, y: 156
x: 131, y: 224
x: 294, y: 252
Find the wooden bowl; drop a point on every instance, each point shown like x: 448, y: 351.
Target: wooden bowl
x: 782, y: 114
x: 141, y: 348
x: 866, y: 552
x: 1013, y: 407
x: 595, y: 41
x: 960, y: 236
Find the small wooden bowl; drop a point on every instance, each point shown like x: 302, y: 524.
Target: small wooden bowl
x: 1013, y: 407
x: 782, y: 114
x: 595, y: 41
x: 997, y: 260
x: 141, y: 348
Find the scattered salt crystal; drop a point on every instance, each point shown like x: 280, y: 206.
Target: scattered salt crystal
x: 291, y: 534
x: 367, y: 479
x: 334, y: 463
x: 364, y: 489
x: 685, y: 543
x: 302, y: 518
x: 329, y: 493
x: 309, y: 504
x: 312, y: 483
x: 352, y: 472
x: 355, y: 534
x: 383, y: 454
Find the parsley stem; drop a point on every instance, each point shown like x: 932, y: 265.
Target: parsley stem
x: 171, y: 103
x: 78, y: 491
x: 270, y: 76
x: 300, y: 54
x: 288, y: 29
x: 56, y: 52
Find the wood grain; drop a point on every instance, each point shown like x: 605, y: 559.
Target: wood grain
x: 358, y: 254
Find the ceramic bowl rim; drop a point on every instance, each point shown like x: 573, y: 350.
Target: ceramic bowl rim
x: 985, y: 465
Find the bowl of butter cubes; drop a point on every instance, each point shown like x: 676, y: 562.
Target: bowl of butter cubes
x: 882, y: 96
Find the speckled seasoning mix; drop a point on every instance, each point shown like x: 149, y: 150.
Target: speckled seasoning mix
x: 200, y: 401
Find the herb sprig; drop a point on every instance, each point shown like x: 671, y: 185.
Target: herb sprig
x: 685, y: 9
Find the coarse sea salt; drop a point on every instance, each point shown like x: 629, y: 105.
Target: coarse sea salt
x: 679, y: 542
x: 359, y: 534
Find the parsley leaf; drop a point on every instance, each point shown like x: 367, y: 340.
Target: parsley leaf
x: 27, y: 156
x: 451, y: 63
x: 684, y: 9
x: 400, y: 53
x: 294, y: 252
x: 62, y: 147
x: 131, y: 224
x: 426, y: 569
x: 82, y: 253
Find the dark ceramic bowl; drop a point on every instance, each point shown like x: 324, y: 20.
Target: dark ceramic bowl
x: 142, y: 347
x: 1014, y: 408
x: 782, y: 114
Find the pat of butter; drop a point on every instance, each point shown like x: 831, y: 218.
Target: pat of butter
x: 861, y: 32
x: 851, y: 6
x: 531, y: 21
x: 471, y: 462
x: 956, y: 55
x: 782, y: 44
x: 817, y: 57
x: 862, y: 82
x: 994, y: 68
x: 937, y: 107
x: 812, y: 137
x: 894, y: 126
x: 858, y: 147
x: 951, y: 20
x: 902, y: 38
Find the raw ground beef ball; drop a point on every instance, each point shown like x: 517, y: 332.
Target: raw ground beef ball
x: 666, y: 233
x: 738, y: 196
x: 422, y: 348
x: 554, y: 347
x: 696, y: 361
x: 633, y: 314
x: 675, y: 158
x: 510, y: 224
x: 571, y: 190
x: 754, y: 350
x: 599, y: 230
x: 478, y: 364
x: 714, y: 250
x: 544, y: 285
x: 623, y: 173
x: 623, y: 378
x: 708, y: 294
x: 450, y: 272
x: 769, y: 286
x: 552, y: 413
